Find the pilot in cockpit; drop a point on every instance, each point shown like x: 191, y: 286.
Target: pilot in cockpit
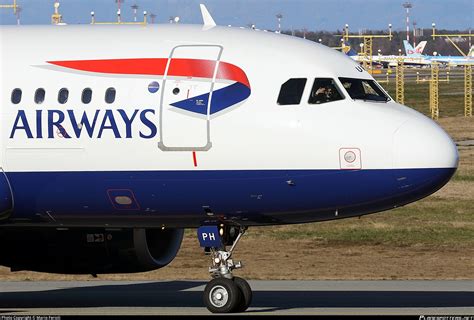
x: 324, y: 91
x: 323, y: 94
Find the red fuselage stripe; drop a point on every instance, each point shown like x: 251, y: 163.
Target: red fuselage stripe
x: 157, y: 66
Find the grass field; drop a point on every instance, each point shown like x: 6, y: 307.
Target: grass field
x: 430, y: 239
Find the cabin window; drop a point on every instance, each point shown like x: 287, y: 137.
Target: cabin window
x: 291, y: 92
x: 324, y: 90
x: 363, y: 89
x: 63, y: 95
x: 40, y: 94
x: 86, y: 97
x: 16, y: 96
x: 110, y: 95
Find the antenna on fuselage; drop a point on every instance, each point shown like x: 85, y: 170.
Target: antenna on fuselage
x: 206, y: 17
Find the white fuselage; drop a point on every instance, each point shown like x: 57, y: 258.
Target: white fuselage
x: 255, y: 134
x: 259, y: 128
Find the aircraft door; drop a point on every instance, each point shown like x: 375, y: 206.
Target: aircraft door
x: 185, y: 109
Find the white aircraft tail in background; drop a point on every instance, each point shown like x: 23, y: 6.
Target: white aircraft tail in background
x: 411, y: 52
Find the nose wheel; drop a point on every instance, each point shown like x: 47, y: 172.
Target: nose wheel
x: 225, y: 293
x: 222, y: 295
x: 246, y: 291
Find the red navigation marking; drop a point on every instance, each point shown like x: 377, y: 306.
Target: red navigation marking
x: 195, y: 159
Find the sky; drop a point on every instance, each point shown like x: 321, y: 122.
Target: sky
x: 297, y: 14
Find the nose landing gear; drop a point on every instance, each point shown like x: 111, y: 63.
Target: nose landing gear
x: 224, y: 293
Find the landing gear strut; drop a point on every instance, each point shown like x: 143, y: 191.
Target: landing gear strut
x: 224, y: 293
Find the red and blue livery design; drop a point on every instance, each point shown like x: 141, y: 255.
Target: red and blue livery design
x: 222, y: 98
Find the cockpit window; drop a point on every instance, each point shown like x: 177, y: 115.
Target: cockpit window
x: 362, y: 89
x: 324, y: 91
x: 291, y: 92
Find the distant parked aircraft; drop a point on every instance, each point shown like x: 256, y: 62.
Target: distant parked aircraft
x: 454, y: 60
x: 448, y: 60
x: 413, y: 56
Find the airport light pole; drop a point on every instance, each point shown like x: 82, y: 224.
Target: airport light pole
x: 279, y: 18
x: 18, y: 11
x: 367, y: 44
x: 135, y: 10
x: 119, y: 10
x: 119, y: 4
x: 468, y: 102
x: 400, y: 79
x: 470, y: 33
x: 56, y: 17
x: 414, y: 33
x: 407, y: 5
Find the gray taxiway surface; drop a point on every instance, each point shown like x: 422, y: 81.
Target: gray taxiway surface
x: 270, y: 297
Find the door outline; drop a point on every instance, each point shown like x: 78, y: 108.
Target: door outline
x: 208, y: 146
x: 5, y: 214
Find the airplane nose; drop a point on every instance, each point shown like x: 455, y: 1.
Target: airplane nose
x: 425, y: 157
x: 422, y: 143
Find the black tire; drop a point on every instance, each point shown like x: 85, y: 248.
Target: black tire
x: 247, y: 295
x: 222, y: 295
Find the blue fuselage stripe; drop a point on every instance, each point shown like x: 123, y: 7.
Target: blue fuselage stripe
x: 254, y: 196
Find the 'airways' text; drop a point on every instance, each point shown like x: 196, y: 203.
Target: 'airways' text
x: 69, y: 124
